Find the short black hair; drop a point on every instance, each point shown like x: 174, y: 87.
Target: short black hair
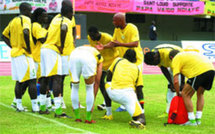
x: 23, y: 6
x: 66, y: 7
x: 37, y: 13
x: 130, y: 55
x: 93, y: 29
x: 149, y: 57
x: 173, y: 53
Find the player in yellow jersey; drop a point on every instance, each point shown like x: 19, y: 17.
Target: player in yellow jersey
x: 159, y: 56
x: 85, y: 61
x: 17, y: 36
x: 200, y: 73
x: 126, y: 36
x: 125, y: 87
x: 51, y: 60
x: 95, y: 37
x: 69, y: 46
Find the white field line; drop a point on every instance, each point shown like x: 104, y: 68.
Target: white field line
x: 54, y: 121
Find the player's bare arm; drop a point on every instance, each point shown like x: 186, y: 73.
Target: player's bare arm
x: 27, y: 40
x: 64, y: 30
x: 176, y: 84
x: 168, y: 77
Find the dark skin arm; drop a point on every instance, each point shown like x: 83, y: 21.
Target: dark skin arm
x: 109, y: 76
x: 6, y: 40
x: 116, y: 44
x: 74, y: 34
x: 168, y: 77
x: 27, y: 40
x: 63, y: 37
x: 140, y: 95
x: 176, y: 84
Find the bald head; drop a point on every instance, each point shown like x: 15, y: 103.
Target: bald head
x: 119, y: 20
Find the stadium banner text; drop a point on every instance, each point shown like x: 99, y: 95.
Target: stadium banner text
x: 169, y: 7
x: 113, y: 6
x: 210, y: 8
x: 4, y: 52
x: 206, y: 48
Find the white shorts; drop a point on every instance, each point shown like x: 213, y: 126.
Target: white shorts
x: 51, y: 63
x: 65, y: 65
x: 128, y: 98
x: 81, y: 64
x: 23, y: 68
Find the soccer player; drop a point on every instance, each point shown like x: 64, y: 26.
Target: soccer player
x: 159, y: 56
x: 17, y: 36
x: 59, y: 36
x: 200, y: 73
x: 39, y: 34
x: 85, y: 61
x: 126, y: 36
x: 95, y: 37
x: 69, y: 46
x: 125, y: 87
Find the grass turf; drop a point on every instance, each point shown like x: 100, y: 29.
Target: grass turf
x: 154, y: 92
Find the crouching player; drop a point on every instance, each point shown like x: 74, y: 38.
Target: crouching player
x: 85, y: 61
x: 126, y: 79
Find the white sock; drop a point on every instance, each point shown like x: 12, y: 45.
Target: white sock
x: 57, y: 102
x: 48, y: 102
x: 19, y: 104
x: 75, y: 96
x: 191, y: 116
x: 109, y: 111
x: 198, y: 114
x: 34, y: 105
x: 89, y: 96
x: 42, y: 99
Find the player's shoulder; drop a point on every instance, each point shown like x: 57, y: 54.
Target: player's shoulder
x: 106, y: 35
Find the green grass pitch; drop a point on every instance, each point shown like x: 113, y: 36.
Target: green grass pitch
x: 12, y: 122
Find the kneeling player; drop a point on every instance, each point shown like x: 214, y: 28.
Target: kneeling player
x: 126, y: 79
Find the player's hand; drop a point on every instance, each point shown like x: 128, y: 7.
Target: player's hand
x: 99, y: 46
x: 178, y: 93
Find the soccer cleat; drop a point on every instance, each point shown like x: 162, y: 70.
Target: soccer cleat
x: 44, y: 112
x: 90, y: 122
x: 78, y: 120
x: 107, y: 117
x: 63, y: 115
x: 190, y: 123
x: 13, y: 105
x: 21, y: 110
x: 163, y: 115
x: 101, y: 107
x: 136, y: 124
x: 119, y: 109
x: 198, y: 121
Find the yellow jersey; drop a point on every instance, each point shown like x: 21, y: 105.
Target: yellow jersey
x: 38, y: 32
x: 127, y: 35
x: 164, y: 51
x: 125, y: 75
x: 191, y: 64
x: 53, y: 40
x: 14, y: 31
x: 108, y: 54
